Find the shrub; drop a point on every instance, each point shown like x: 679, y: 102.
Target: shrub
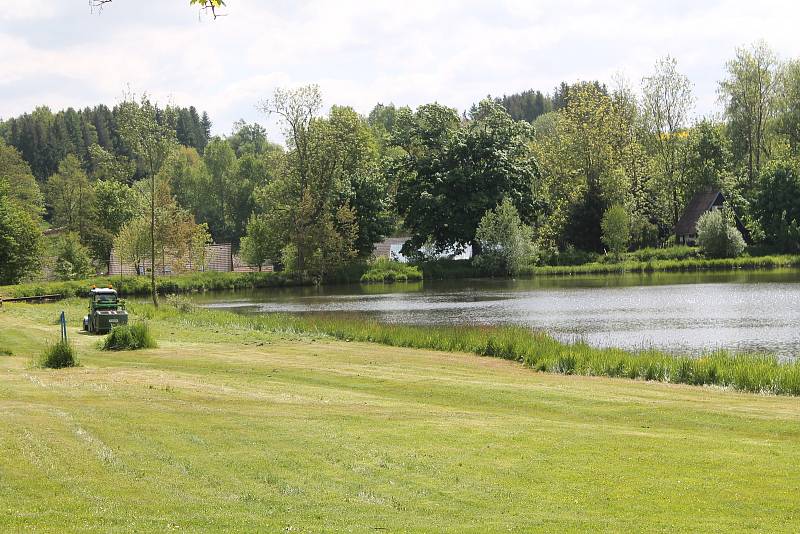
x: 58, y: 356
x: 568, y: 257
x: 182, y: 303
x: 506, y: 242
x: 130, y: 337
x: 717, y: 237
x: 384, y: 270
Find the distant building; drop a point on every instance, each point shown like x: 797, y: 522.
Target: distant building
x: 703, y: 202
x: 391, y: 248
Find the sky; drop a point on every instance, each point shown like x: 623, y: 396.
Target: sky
x: 60, y: 53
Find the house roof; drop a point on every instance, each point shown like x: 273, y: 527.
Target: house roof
x: 700, y: 204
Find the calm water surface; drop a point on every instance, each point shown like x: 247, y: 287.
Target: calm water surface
x: 686, y: 313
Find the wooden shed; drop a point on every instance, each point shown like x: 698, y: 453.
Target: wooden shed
x: 705, y: 201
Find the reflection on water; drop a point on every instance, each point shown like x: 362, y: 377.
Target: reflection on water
x: 690, y: 313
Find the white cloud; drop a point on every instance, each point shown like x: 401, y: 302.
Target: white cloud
x: 362, y: 52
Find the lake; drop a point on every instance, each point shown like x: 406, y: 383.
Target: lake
x: 677, y: 312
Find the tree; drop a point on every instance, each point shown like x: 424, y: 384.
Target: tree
x: 450, y: 174
x: 132, y: 243
x: 18, y: 181
x: 220, y: 160
x: 749, y: 93
x: 71, y: 197
x: 527, y: 105
x: 72, y: 258
x: 20, y: 240
x: 776, y: 207
x: 250, y: 139
x: 666, y: 103
x: 789, y: 106
x: 205, y: 5
x: 616, y: 227
x: 326, y: 198
x: 152, y: 143
x: 588, y: 159
x: 256, y: 248
x: 115, y: 203
x: 506, y: 242
x: 107, y: 166
x: 179, y: 243
x: 718, y: 236
x: 708, y: 159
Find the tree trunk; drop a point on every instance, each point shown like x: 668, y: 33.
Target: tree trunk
x: 477, y: 249
x: 153, y: 238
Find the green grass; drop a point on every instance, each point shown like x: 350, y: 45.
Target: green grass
x: 384, y: 270
x: 135, y: 336
x: 235, y: 429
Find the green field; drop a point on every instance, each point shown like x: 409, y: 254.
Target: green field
x: 237, y: 429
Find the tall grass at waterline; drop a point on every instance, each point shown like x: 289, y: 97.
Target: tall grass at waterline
x: 682, y: 265
x: 537, y: 350
x: 140, y: 285
x: 679, y: 252
x: 384, y: 270
x: 58, y: 355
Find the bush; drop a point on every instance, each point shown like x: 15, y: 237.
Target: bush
x: 506, y: 242
x: 58, y: 356
x: 568, y: 257
x: 717, y: 237
x: 182, y: 303
x: 384, y: 270
x: 447, y: 269
x: 130, y: 337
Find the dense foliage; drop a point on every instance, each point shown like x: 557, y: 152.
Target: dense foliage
x: 588, y: 168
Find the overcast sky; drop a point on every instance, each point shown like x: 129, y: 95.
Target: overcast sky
x: 57, y: 53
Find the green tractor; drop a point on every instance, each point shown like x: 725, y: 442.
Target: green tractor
x: 105, y: 311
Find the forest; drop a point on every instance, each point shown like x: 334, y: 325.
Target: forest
x: 589, y: 169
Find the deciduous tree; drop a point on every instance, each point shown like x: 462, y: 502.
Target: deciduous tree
x: 749, y: 92
x: 152, y: 142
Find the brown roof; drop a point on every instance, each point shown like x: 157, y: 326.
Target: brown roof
x: 700, y: 204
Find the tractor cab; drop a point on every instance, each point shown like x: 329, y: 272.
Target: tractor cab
x: 106, y: 311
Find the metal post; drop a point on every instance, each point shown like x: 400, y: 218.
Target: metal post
x: 63, y: 328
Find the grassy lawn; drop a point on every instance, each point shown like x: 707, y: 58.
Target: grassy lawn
x: 239, y: 430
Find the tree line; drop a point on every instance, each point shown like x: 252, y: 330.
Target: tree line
x: 587, y: 168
